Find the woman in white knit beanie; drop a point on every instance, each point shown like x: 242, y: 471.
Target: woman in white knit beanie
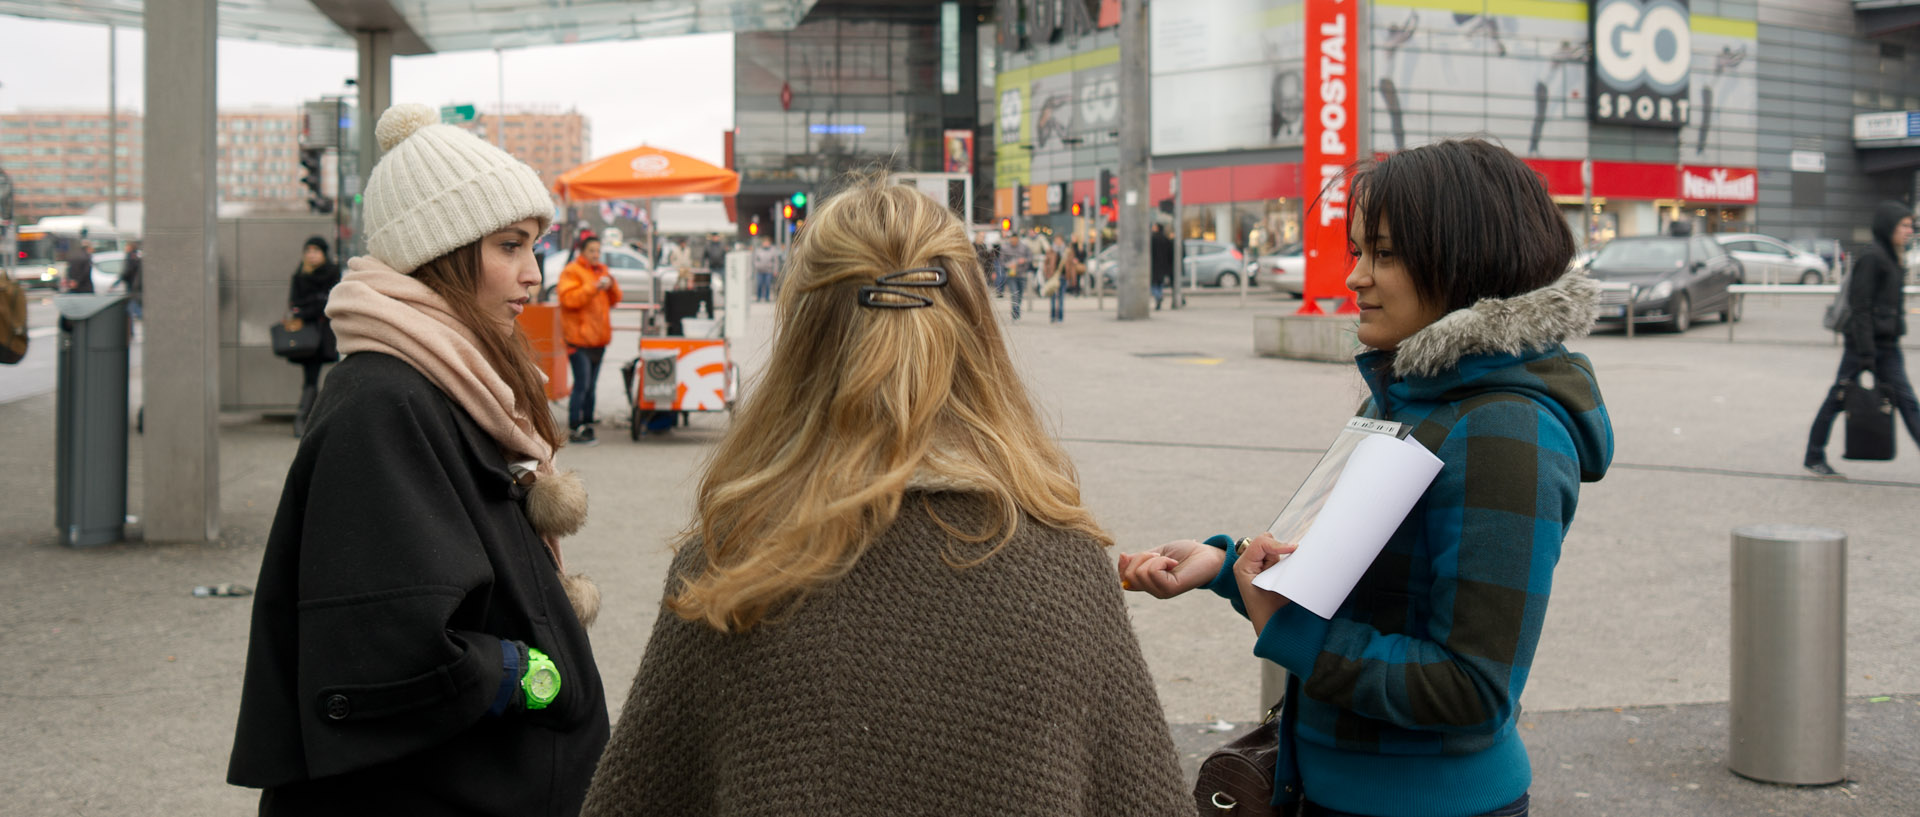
x: 418, y: 646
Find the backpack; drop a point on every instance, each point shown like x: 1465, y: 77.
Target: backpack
x: 1840, y: 311
x: 13, y: 320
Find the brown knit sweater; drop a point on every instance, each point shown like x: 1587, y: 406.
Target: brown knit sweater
x: 1015, y: 687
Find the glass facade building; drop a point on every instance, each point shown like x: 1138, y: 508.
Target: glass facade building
x: 856, y: 85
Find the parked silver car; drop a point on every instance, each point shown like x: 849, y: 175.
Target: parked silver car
x: 1768, y: 260
x: 1207, y: 263
x: 630, y: 270
x: 1285, y: 271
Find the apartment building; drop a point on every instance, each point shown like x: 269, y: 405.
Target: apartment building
x: 59, y: 160
x: 552, y: 142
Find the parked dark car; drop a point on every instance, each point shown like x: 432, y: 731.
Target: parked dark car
x: 1678, y: 279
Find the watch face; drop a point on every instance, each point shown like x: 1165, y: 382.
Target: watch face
x: 544, y: 684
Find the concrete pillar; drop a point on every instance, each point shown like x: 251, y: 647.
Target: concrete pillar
x: 1135, y: 196
x: 181, y: 368
x: 376, y: 93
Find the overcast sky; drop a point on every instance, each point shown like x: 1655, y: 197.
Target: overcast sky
x: 675, y: 93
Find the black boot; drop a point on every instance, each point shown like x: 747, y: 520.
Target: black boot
x: 307, y: 395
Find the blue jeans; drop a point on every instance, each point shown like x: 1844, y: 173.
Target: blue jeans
x: 584, y: 363
x: 763, y: 286
x: 1018, y: 284
x: 1889, y: 367
x: 1057, y: 304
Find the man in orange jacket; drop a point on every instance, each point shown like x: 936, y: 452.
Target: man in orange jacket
x: 587, y: 295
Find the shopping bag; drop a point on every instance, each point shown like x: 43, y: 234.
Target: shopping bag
x: 1869, y: 420
x: 295, y: 339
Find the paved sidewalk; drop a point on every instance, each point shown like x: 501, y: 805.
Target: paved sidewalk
x: 122, y: 687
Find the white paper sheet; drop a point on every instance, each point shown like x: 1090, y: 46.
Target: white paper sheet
x: 1379, y: 485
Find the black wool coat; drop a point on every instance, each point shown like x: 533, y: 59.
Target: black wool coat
x: 399, y: 560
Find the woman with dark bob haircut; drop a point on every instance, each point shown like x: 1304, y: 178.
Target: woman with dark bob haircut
x: 1406, y: 701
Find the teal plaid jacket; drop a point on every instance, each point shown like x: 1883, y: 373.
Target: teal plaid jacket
x: 1410, y: 693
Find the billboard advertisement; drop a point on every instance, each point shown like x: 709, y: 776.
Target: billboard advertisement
x: 957, y: 152
x: 1524, y: 78
x: 1050, y: 110
x: 1227, y: 75
x: 1642, y: 58
x: 1331, y: 144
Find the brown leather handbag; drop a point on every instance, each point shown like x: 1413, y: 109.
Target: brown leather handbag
x: 1237, y: 779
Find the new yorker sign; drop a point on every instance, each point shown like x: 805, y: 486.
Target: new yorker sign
x: 1642, y: 52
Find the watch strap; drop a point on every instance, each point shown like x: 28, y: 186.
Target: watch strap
x: 510, y: 664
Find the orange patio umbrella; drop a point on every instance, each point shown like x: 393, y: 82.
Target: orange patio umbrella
x: 644, y: 172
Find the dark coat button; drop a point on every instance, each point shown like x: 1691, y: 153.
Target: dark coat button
x: 338, y: 707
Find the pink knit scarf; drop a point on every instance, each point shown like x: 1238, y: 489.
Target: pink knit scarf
x: 375, y: 309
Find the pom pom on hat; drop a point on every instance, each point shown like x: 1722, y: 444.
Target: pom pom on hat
x: 400, y: 121
x: 437, y: 188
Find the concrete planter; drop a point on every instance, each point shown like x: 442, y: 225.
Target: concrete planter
x: 1326, y: 338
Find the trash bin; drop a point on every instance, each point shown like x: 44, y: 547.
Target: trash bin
x: 90, y: 425
x: 1787, y: 716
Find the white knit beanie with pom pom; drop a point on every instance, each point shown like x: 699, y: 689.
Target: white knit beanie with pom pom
x: 438, y: 188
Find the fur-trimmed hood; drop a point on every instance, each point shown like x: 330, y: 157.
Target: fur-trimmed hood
x: 1509, y: 346
x: 1531, y: 321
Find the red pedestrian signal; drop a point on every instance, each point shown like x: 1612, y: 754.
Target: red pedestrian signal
x: 786, y: 211
x: 1006, y: 225
x: 753, y: 228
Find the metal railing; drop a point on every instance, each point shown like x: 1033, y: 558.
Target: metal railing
x: 1739, y: 292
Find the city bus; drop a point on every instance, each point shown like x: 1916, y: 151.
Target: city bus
x: 40, y: 250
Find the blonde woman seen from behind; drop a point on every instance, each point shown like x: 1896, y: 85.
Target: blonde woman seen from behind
x: 890, y: 600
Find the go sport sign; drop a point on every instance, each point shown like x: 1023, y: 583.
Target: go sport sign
x: 1642, y: 53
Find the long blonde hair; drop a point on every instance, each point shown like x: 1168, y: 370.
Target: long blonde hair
x: 853, y: 400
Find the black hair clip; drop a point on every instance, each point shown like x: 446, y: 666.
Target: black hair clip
x: 913, y: 301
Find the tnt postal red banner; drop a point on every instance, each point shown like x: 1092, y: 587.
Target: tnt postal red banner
x: 1332, y: 143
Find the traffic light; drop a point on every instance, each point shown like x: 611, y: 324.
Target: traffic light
x: 1023, y: 200
x: 796, y: 206
x: 753, y: 227
x: 1006, y: 225
x: 786, y: 210
x: 1105, y: 190
x: 1078, y: 209
x: 311, y: 177
x: 799, y: 198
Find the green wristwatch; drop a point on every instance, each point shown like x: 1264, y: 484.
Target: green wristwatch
x: 542, y: 681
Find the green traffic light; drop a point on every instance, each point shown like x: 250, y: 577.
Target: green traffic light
x: 799, y: 199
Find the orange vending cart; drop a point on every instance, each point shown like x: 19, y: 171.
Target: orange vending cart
x: 677, y: 375
x: 541, y: 322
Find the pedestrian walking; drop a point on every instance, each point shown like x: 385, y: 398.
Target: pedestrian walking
x: 680, y: 260
x: 985, y: 255
x: 766, y: 264
x: 715, y: 257
x: 1876, y: 320
x: 130, y: 280
x: 1016, y: 258
x: 1160, y: 252
x: 890, y: 599
x: 1061, y: 261
x: 313, y: 282
x: 587, y: 294
x: 80, y: 267
x: 1405, y: 702
x: 417, y: 646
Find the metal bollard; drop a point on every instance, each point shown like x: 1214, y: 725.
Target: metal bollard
x: 1787, y: 717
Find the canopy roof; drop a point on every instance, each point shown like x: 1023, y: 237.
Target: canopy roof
x: 427, y: 26
x: 644, y: 172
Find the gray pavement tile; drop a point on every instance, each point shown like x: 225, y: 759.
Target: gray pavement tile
x: 129, y: 685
